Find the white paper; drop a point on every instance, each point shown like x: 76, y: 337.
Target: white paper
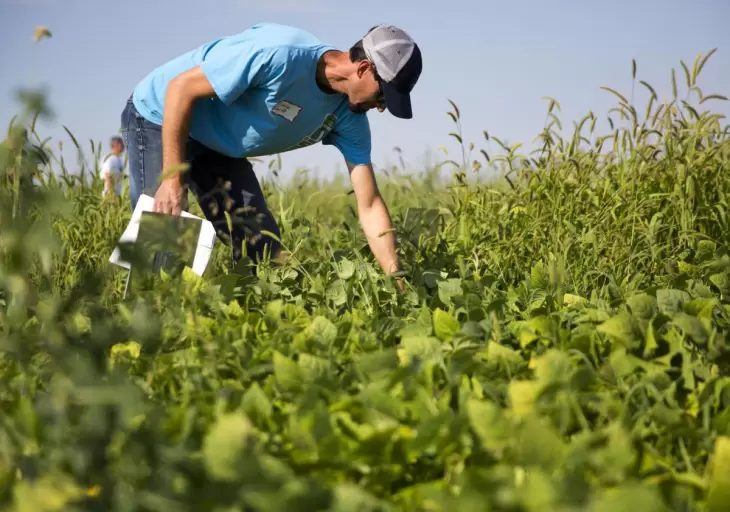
x: 206, y: 238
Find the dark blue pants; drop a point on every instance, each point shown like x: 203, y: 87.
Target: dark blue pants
x: 220, y: 184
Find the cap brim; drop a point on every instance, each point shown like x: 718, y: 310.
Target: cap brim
x: 397, y: 103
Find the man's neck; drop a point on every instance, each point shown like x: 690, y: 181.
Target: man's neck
x: 333, y: 70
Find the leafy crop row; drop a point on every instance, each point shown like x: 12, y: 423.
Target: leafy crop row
x: 562, y: 345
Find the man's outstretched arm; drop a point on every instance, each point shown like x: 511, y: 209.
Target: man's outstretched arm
x: 374, y: 217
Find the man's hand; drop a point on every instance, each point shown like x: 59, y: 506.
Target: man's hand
x: 375, y: 218
x: 182, y: 92
x: 169, y: 197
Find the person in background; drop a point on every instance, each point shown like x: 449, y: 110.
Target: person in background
x: 112, y: 168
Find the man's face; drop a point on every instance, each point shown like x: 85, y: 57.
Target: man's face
x: 366, y: 93
x: 118, y: 146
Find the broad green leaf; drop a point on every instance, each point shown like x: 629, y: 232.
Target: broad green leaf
x: 624, y: 364
x: 444, y: 325
x: 489, y: 425
x: 643, y: 305
x: 701, y: 308
x: 705, y: 251
x: 352, y: 498
x: 50, y: 493
x: 522, y: 396
x: 374, y: 363
x: 532, y: 329
x: 539, y: 446
x: 448, y: 289
x: 288, y: 374
x: 346, y: 269
x: 573, y: 300
x: 313, y: 367
x: 537, y: 492
x: 224, y: 446
x: 424, y: 347
x: 621, y: 328
x: 506, y: 356
x: 256, y: 404
x: 670, y: 302
x: 552, y: 367
x: 691, y: 326
x: 322, y: 330
x: 628, y: 497
x: 722, y: 281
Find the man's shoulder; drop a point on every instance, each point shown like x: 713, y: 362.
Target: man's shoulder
x: 279, y: 40
x: 278, y: 33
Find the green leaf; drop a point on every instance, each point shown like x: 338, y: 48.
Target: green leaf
x: 352, y: 498
x: 53, y: 492
x: 643, y: 305
x: 448, y: 289
x: 532, y: 329
x: 313, y: 367
x: 701, y: 307
x: 705, y: 251
x: 256, y: 404
x: 444, y: 325
x: 539, y: 446
x: 224, y: 446
x: 621, y: 328
x: 692, y: 326
x: 538, y: 276
x: 426, y: 348
x: 718, y: 495
x: 346, y: 269
x: 505, y: 356
x: 722, y: 281
x: 628, y: 497
x: 573, y: 300
x: 287, y: 373
x: 522, y: 396
x: 489, y: 425
x: 322, y: 330
x: 670, y: 302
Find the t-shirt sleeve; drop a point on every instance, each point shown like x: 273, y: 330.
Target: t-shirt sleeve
x: 233, y: 65
x: 352, y: 137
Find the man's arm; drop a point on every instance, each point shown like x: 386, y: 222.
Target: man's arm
x: 105, y: 172
x: 374, y: 217
x: 108, y: 184
x: 182, y: 92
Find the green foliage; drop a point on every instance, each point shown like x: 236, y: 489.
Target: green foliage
x: 562, y: 344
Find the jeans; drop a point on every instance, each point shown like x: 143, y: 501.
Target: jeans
x: 220, y: 184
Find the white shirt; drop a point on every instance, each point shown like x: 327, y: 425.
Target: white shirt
x: 113, y: 166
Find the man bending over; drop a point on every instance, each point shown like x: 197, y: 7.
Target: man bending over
x: 267, y: 90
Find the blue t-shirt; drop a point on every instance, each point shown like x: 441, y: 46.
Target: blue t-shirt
x: 267, y: 99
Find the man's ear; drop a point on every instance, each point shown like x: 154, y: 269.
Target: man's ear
x: 362, y: 67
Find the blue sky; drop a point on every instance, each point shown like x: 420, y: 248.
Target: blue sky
x: 496, y: 60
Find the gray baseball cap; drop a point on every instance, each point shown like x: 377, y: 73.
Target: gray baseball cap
x: 397, y: 62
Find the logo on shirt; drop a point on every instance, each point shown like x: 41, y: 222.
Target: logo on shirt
x: 287, y: 110
x: 317, y: 135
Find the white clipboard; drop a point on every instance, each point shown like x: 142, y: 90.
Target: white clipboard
x: 206, y: 239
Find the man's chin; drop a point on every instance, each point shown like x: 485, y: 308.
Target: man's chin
x: 357, y: 109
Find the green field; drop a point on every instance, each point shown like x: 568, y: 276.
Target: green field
x: 562, y: 344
